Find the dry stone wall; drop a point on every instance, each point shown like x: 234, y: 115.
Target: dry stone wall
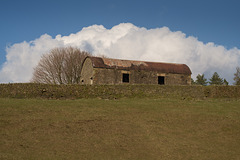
x: 28, y: 90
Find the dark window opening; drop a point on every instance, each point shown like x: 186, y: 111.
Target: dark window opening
x: 125, y: 78
x: 161, y: 80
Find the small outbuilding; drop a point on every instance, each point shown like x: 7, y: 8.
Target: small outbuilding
x: 97, y: 70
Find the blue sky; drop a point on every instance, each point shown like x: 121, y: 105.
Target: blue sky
x: 214, y: 21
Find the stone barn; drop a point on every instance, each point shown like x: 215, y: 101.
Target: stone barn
x: 96, y: 70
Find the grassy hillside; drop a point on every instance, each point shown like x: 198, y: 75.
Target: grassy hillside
x: 136, y: 128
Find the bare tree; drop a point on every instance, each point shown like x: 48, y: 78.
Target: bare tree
x: 60, y: 66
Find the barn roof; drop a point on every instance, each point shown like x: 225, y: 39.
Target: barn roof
x: 108, y: 63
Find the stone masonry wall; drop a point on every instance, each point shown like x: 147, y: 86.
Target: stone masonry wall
x: 87, y: 72
x: 114, y: 76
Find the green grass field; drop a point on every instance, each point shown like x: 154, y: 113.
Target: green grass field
x: 120, y: 129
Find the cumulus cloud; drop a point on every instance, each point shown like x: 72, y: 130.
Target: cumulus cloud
x: 125, y: 41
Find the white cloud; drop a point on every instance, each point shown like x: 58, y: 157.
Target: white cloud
x: 22, y: 57
x: 125, y: 41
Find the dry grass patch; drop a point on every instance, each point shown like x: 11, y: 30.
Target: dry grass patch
x: 119, y: 129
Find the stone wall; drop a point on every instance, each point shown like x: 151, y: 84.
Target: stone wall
x: 31, y: 90
x: 115, y: 76
x: 107, y: 76
x: 87, y: 72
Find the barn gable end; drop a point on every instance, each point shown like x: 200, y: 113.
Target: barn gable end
x: 87, y: 72
x: 98, y: 70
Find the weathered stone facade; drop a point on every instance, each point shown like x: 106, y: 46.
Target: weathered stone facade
x: 97, y: 70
